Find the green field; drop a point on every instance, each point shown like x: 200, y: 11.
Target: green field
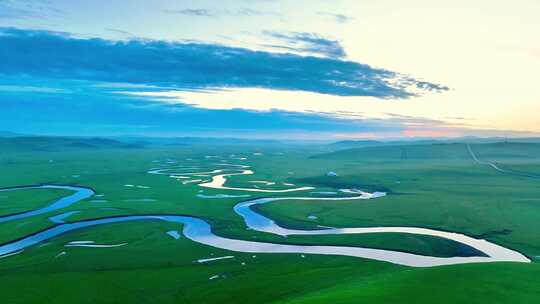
x: 433, y: 185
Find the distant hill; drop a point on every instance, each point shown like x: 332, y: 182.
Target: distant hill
x: 399, y: 152
x: 9, y: 134
x: 435, y: 150
x: 507, y: 150
x: 181, y: 141
x: 415, y: 141
x: 15, y: 142
x: 53, y: 143
x: 350, y: 143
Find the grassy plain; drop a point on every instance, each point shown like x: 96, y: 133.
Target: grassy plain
x: 432, y: 185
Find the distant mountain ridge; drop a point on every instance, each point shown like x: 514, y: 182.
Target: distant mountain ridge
x: 9, y: 134
x: 406, y: 141
x: 16, y: 142
x: 52, y: 143
x: 421, y: 150
x: 188, y: 140
x: 356, y: 142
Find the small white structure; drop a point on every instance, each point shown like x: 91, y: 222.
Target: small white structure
x: 331, y: 173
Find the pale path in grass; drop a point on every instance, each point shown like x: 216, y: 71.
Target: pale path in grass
x: 494, y: 166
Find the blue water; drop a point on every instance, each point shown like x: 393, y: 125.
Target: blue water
x: 200, y: 231
x: 79, y: 195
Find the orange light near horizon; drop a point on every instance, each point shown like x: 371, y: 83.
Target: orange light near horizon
x: 366, y: 135
x: 428, y: 133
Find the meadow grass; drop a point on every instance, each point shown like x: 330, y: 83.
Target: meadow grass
x: 435, y: 186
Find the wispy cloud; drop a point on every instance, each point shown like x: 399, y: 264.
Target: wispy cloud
x: 31, y: 89
x: 309, y: 43
x: 251, y: 12
x: 204, y: 12
x: 190, y: 12
x: 10, y: 9
x: 54, y: 55
x: 339, y: 18
x: 7, y: 11
x: 120, y: 32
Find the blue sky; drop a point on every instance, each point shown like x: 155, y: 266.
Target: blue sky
x: 269, y: 69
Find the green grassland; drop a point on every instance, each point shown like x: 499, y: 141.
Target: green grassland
x: 28, y: 199
x: 430, y: 185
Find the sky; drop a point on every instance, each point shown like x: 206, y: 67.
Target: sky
x: 332, y: 70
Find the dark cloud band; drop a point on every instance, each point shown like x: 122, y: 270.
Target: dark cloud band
x: 191, y: 66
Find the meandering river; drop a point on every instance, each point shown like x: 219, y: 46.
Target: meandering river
x: 198, y: 230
